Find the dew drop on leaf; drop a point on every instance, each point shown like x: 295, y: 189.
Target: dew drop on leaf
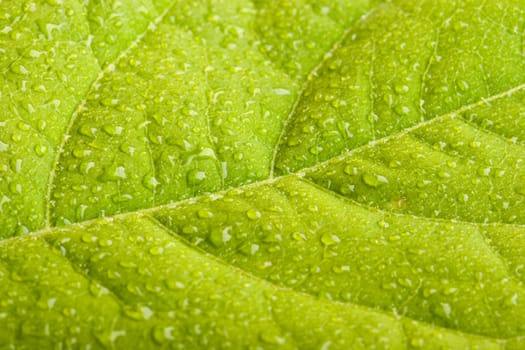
x: 190, y: 229
x: 40, y: 150
x: 329, y: 239
x: 204, y: 214
x: 253, y: 214
x: 195, y: 177
x: 270, y: 337
x: 156, y: 250
x: 220, y: 236
x: 150, y: 182
x: 162, y: 334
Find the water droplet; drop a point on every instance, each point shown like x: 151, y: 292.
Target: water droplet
x: 443, y: 174
x: 207, y: 153
x: 80, y: 153
x: 462, y: 85
x: 315, y: 150
x: 270, y: 337
x: 341, y: 269
x: 105, y: 242
x: 272, y: 237
x: 23, y: 126
x: 220, y: 236
x: 442, y: 310
x: 41, y: 126
x: 112, y: 130
x: 204, y: 214
x: 463, y: 197
x: 85, y: 167
x: 114, y: 173
x: 109, y: 102
x: 195, y: 177
x: 373, y: 180
x: 87, y: 130
x: 483, y: 171
x: 150, y: 182
x: 121, y: 198
x: 401, y: 89
x: 174, y: 285
x: 249, y: 249
x: 16, y: 137
x: 97, y: 290
x: 140, y: 313
x: 450, y: 290
x: 329, y: 239
x: 299, y: 236
x: 156, y: 250
x: 127, y: 149
x: 512, y: 300
x: 190, y: 229
x: 402, y: 110
x: 40, y: 150
x: 19, y: 69
x: 350, y: 170
x: 383, y: 224
x: 88, y: 238
x: 127, y: 264
x: 162, y: 334
x: 15, y: 187
x: 253, y: 214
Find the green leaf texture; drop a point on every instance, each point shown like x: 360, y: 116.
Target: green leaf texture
x: 262, y: 174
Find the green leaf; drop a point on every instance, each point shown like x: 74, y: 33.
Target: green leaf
x: 262, y: 174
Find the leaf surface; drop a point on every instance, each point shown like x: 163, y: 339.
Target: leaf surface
x: 262, y: 174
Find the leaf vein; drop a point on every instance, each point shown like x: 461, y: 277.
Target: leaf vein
x: 302, y: 90
x: 79, y: 108
x: 399, y: 318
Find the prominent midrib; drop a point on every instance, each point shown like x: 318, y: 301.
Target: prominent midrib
x: 453, y: 114
x: 150, y: 29
x: 403, y: 132
x: 152, y: 26
x: 301, y: 172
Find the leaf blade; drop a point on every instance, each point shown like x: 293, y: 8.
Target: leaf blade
x: 290, y: 261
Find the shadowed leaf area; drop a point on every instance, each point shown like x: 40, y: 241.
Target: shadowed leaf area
x: 262, y: 174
